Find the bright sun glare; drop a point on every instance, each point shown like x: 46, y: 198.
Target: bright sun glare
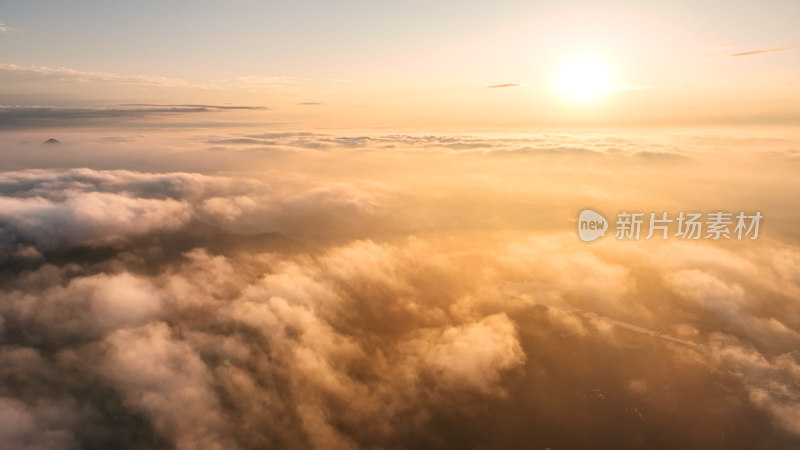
x: 584, y: 80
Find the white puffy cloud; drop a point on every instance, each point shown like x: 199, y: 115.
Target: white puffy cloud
x: 89, y: 216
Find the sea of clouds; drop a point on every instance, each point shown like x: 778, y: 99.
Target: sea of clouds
x: 343, y: 291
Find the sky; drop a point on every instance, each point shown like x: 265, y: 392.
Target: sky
x: 357, y: 225
x: 351, y: 64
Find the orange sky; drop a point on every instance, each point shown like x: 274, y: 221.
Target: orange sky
x: 418, y: 66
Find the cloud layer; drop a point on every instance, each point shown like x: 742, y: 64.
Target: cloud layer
x: 333, y: 303
x: 762, y: 51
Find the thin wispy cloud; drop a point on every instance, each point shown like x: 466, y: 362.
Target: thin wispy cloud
x: 764, y: 50
x: 504, y: 85
x: 209, y: 107
x: 66, y: 74
x: 47, y: 116
x: 5, y: 29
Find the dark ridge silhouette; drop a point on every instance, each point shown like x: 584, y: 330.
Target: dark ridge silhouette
x: 169, y: 246
x: 52, y: 141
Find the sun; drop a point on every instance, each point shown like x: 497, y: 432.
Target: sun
x: 584, y: 79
